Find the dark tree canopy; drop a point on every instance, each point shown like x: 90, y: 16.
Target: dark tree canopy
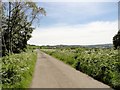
x: 17, y: 20
x: 116, y: 40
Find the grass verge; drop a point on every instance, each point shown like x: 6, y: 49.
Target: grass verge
x: 101, y: 64
x: 17, y: 69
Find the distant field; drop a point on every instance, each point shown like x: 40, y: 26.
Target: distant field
x: 101, y: 64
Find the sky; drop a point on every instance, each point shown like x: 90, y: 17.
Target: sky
x: 76, y: 23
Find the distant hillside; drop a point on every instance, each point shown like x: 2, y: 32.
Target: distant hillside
x: 74, y: 46
x: 100, y: 46
x: 89, y: 46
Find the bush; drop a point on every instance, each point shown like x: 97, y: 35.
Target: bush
x: 17, y: 70
x: 101, y: 64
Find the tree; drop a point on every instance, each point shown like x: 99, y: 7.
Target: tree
x: 116, y: 40
x: 17, y: 25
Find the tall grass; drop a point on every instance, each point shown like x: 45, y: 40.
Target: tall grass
x: 101, y: 64
x: 17, y: 69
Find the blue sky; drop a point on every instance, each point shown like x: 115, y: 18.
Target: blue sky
x: 76, y: 23
x: 78, y: 12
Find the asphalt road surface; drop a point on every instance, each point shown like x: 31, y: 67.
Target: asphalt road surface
x: 52, y: 73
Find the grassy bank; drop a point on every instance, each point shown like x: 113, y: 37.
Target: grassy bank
x: 101, y: 64
x: 17, y: 69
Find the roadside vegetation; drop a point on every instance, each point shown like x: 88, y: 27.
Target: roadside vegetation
x: 18, y: 58
x: 101, y: 63
x: 17, y: 69
x: 17, y: 25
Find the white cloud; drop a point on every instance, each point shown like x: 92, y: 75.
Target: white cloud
x: 98, y: 32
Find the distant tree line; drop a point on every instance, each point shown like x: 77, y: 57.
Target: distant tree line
x: 18, y: 19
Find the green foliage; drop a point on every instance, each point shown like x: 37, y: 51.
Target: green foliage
x: 116, y: 40
x: 32, y: 47
x: 17, y: 21
x: 101, y: 64
x: 17, y: 70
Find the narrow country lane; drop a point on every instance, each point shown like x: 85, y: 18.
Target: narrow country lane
x: 52, y: 73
